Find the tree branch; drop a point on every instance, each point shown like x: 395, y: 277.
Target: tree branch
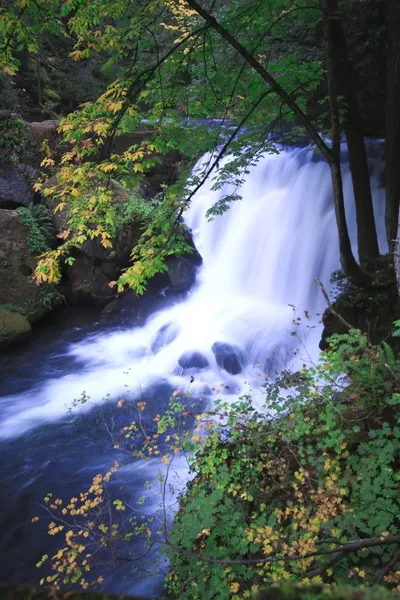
x: 330, y: 306
x: 266, y: 76
x: 346, y: 548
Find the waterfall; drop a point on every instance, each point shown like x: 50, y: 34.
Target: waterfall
x: 259, y: 261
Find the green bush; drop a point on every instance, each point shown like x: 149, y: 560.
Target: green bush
x: 305, y: 489
x: 13, y: 136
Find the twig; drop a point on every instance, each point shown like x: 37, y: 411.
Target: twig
x: 386, y: 568
x: 348, y: 547
x: 330, y: 306
x: 320, y: 570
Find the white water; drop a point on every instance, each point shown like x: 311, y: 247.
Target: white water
x: 259, y: 258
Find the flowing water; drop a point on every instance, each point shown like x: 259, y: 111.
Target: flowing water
x: 259, y: 264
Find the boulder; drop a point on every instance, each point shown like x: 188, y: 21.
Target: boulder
x: 16, y: 186
x: 181, y: 273
x: 43, y: 130
x: 95, y: 265
x: 193, y: 360
x: 88, y: 285
x: 14, y: 327
x: 164, y: 337
x: 17, y: 266
x: 194, y: 256
x: 229, y: 357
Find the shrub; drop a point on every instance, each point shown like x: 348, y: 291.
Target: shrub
x: 305, y: 489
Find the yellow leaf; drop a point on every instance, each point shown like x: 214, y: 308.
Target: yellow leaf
x: 9, y: 70
x: 47, y: 162
x: 107, y: 167
x: 59, y: 207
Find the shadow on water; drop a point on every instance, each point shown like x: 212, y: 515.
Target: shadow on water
x: 63, y: 458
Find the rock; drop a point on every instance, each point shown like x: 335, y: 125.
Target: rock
x: 87, y: 283
x: 193, y: 360
x: 194, y: 256
x: 14, y: 328
x: 17, y: 265
x: 16, y: 186
x: 88, y: 279
x: 164, y: 337
x: 181, y: 272
x: 229, y: 357
x: 43, y: 130
x: 372, y: 310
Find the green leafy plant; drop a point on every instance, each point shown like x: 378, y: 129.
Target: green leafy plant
x: 39, y: 221
x: 13, y: 135
x: 13, y: 307
x: 50, y: 297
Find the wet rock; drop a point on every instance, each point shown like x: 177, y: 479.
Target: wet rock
x: 193, y: 257
x: 193, y: 360
x: 88, y: 285
x: 229, y: 357
x: 14, y: 328
x: 181, y: 272
x: 164, y: 337
x: 16, y: 186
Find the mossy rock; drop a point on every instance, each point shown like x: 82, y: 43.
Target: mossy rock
x: 17, y: 266
x: 14, y: 327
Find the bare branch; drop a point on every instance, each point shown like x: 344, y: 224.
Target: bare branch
x: 330, y: 305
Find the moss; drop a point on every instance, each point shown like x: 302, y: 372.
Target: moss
x: 14, y: 327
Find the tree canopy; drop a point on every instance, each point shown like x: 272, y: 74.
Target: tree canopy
x: 172, y: 65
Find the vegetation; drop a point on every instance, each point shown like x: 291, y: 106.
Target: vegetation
x: 283, y: 593
x: 286, y: 593
x: 302, y: 488
x: 39, y: 221
x: 13, y: 135
x: 175, y: 62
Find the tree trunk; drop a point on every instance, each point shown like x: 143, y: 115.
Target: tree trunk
x: 397, y: 256
x: 343, y: 76
x: 393, y: 124
x: 348, y: 262
x: 39, y: 80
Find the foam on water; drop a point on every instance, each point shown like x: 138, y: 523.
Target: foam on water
x: 258, y: 258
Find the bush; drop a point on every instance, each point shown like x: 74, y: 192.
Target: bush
x: 305, y: 489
